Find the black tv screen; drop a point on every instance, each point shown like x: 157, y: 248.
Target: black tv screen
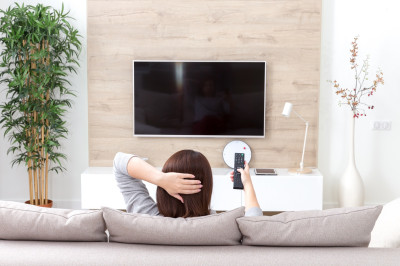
x: 199, y: 99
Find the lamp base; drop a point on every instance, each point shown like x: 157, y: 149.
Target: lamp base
x: 300, y: 171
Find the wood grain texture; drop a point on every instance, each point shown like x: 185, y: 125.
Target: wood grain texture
x: 285, y: 33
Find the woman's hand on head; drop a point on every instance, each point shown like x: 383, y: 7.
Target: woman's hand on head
x: 178, y: 183
x: 245, y: 175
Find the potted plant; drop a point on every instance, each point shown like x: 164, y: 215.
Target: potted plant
x: 40, y: 48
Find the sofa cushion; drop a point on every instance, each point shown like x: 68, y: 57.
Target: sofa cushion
x: 19, y: 221
x: 215, y: 229
x: 386, y: 232
x: 333, y: 227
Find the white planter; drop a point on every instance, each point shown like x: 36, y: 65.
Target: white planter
x: 351, y: 186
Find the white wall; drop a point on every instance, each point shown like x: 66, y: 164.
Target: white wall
x: 377, y: 152
x: 64, y: 188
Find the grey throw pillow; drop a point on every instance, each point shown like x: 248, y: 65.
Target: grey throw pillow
x: 215, y: 229
x: 333, y: 227
x: 19, y: 221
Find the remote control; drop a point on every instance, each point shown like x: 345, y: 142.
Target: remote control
x: 237, y: 177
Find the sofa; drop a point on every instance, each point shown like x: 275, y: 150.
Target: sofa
x: 31, y: 235
x: 97, y: 253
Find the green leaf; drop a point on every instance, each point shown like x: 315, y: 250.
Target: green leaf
x: 22, y: 30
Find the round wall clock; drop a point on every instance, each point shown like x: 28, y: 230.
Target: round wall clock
x: 233, y: 147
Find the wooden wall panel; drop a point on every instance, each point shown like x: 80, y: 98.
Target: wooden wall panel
x: 285, y: 33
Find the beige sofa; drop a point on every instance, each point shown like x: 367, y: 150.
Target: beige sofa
x: 31, y: 235
x: 97, y: 253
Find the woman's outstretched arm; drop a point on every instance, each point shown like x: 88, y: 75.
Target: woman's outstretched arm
x: 252, y: 207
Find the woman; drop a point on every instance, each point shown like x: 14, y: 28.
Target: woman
x: 184, y: 185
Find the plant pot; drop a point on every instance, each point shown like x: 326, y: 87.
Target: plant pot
x: 48, y: 205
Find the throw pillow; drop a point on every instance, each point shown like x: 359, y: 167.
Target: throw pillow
x: 332, y: 227
x: 215, y: 229
x: 386, y: 232
x: 19, y: 221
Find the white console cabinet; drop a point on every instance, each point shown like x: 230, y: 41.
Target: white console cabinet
x: 283, y: 192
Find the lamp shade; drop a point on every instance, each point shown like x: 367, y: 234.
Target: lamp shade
x: 287, y: 109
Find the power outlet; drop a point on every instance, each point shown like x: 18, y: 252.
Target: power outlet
x: 385, y: 125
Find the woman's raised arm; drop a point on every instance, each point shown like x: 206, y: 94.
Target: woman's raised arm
x: 250, y: 199
x: 173, y: 183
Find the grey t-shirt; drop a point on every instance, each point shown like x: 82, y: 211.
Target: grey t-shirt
x: 137, y: 196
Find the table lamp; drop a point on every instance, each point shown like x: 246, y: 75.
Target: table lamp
x: 287, y: 109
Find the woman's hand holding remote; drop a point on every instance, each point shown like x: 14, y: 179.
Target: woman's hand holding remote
x: 250, y: 197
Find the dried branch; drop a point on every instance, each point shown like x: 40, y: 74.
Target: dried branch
x: 354, y: 97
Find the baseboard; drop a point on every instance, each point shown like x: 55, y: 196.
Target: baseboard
x: 63, y: 204
x: 67, y: 204
x: 332, y: 204
x: 76, y: 204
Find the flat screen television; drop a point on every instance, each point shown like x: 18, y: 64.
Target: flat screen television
x: 199, y: 98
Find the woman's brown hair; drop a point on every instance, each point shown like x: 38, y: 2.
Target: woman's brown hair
x: 189, y: 162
